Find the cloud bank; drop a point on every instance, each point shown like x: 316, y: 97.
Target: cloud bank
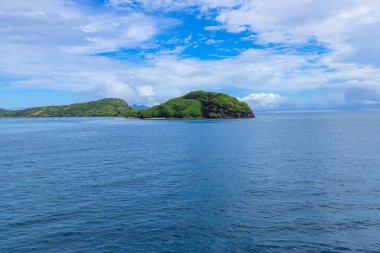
x: 302, y: 54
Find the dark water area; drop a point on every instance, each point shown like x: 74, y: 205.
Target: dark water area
x: 307, y: 182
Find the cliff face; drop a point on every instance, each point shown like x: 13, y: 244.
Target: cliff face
x: 198, y: 104
x: 103, y: 107
x: 219, y: 105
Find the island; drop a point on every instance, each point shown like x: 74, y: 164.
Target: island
x: 194, y: 105
x: 197, y: 104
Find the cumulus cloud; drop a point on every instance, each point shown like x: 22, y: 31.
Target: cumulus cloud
x: 104, y: 33
x: 264, y: 100
x: 62, y: 24
x: 145, y: 91
x: 114, y: 89
x: 56, y: 45
x: 348, y: 27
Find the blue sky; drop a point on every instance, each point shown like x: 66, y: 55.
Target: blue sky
x: 293, y: 54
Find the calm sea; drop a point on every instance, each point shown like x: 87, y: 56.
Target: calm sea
x: 307, y: 182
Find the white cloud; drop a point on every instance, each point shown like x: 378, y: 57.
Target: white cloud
x: 54, y: 44
x: 104, y: 33
x: 39, y: 8
x: 213, y: 28
x: 114, y: 89
x: 172, y: 5
x: 210, y: 41
x: 264, y: 100
x: 347, y: 27
x: 62, y: 24
x: 145, y: 91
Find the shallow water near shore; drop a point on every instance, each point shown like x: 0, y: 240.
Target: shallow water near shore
x: 305, y: 182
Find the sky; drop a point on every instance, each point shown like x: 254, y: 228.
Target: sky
x: 274, y: 55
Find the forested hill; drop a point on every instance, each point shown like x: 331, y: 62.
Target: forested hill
x: 197, y: 104
x: 194, y: 105
x: 103, y: 107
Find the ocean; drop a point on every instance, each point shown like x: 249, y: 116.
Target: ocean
x: 285, y: 182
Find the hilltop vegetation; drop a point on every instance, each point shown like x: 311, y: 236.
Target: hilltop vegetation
x: 103, y: 107
x: 197, y: 104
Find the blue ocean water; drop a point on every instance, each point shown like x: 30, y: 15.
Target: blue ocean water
x: 307, y: 182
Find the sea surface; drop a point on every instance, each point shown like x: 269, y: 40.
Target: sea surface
x: 303, y: 182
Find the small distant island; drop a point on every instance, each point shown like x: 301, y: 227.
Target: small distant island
x: 104, y: 107
x: 194, y: 105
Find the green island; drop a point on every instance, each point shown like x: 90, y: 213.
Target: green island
x: 194, y: 105
x: 103, y: 107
